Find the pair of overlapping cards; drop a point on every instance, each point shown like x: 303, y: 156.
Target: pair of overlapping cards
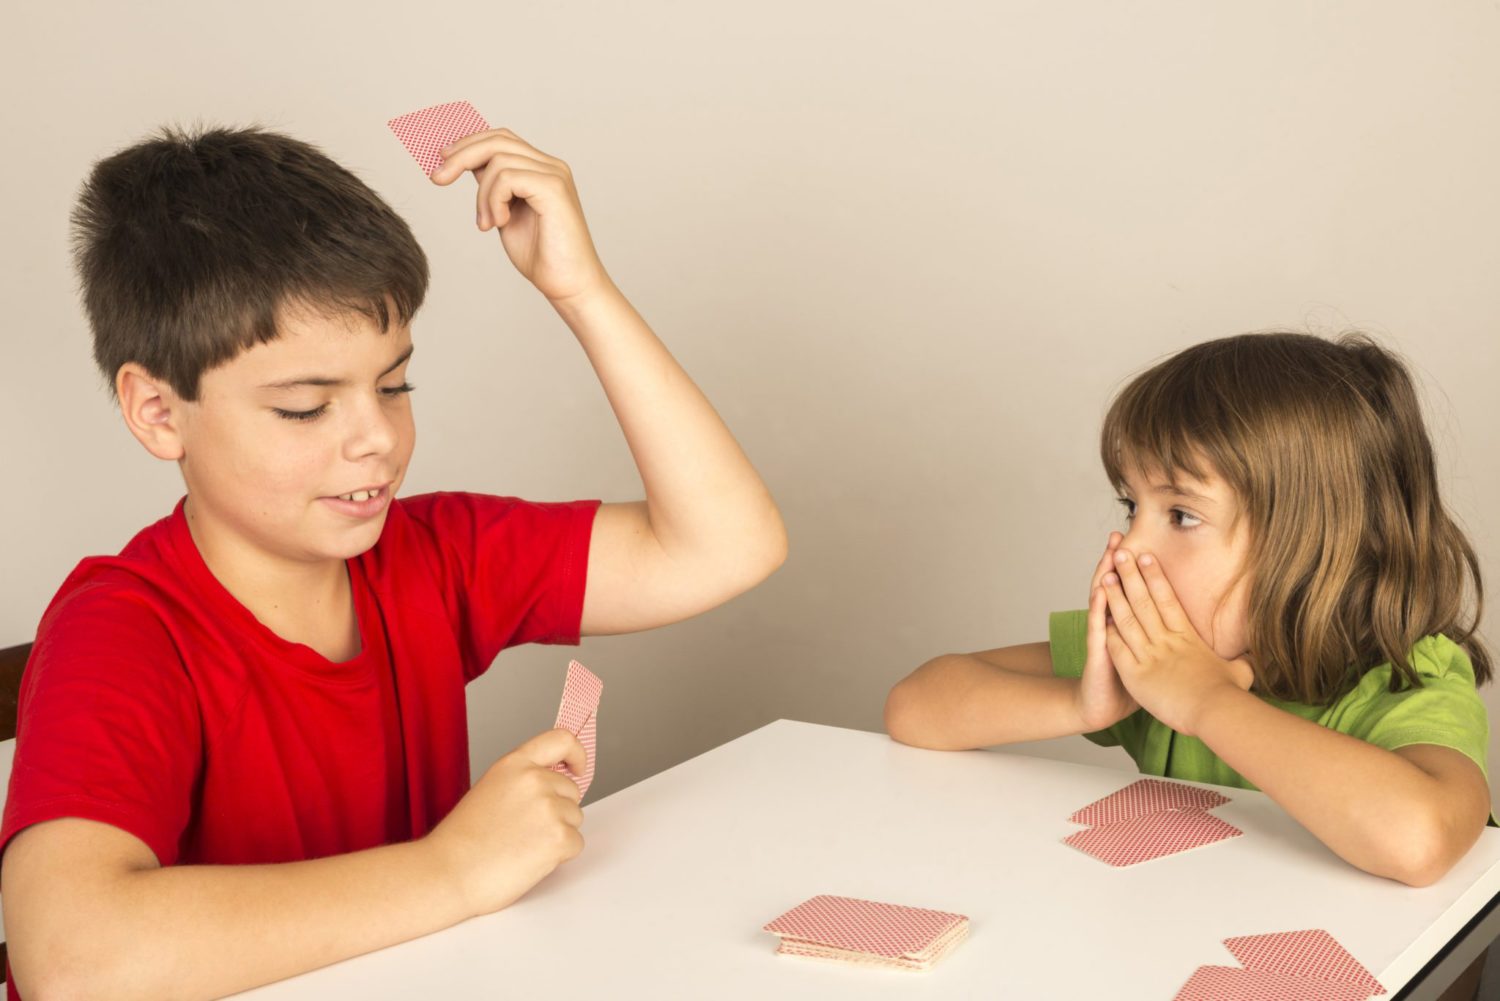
x: 579, y: 714
x: 868, y: 933
x: 1149, y: 819
x: 1303, y: 965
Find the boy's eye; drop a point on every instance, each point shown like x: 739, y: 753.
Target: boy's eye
x: 405, y: 387
x: 1183, y: 519
x: 300, y: 415
x: 1129, y: 506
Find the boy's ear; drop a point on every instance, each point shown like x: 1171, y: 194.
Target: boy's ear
x: 151, y: 409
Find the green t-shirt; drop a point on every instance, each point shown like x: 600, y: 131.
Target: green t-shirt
x: 1446, y: 711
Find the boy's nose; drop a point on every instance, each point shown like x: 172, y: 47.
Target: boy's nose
x: 373, y: 434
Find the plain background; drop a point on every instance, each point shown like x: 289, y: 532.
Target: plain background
x: 909, y: 250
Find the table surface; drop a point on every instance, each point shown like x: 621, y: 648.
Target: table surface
x: 681, y: 871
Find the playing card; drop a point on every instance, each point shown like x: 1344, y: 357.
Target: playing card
x: 1141, y: 839
x: 578, y: 715
x: 1145, y: 797
x: 890, y: 931
x: 1230, y: 983
x: 1312, y: 954
x: 425, y: 132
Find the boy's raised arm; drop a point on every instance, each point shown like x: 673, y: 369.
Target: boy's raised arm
x: 708, y: 528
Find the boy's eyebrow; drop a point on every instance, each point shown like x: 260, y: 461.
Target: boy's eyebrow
x: 323, y: 380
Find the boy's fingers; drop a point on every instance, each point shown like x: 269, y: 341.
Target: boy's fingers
x: 1167, y: 606
x: 1137, y: 593
x: 567, y: 788
x: 552, y: 747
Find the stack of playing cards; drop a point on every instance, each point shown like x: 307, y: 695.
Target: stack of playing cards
x: 1149, y: 819
x: 1307, y: 965
x: 427, y: 132
x: 869, y: 933
x: 578, y: 715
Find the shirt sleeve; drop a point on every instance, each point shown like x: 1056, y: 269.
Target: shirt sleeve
x: 514, y: 571
x: 1445, y: 710
x: 1068, y: 640
x: 108, y: 724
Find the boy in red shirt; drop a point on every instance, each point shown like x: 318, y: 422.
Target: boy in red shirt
x: 242, y: 750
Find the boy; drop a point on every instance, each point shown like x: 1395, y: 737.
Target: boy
x: 242, y: 750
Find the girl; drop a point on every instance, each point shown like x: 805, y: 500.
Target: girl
x: 1291, y: 608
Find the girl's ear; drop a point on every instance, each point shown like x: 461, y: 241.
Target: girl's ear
x: 152, y: 411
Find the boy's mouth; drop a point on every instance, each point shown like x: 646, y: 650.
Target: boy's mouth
x: 370, y: 493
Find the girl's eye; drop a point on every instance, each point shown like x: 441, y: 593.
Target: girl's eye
x: 300, y: 415
x: 1182, y: 519
x: 394, y: 391
x: 1129, y: 506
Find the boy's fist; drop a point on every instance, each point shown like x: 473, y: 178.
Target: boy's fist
x: 518, y: 823
x: 531, y: 198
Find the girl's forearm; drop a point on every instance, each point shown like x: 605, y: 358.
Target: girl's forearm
x: 958, y: 702
x: 1370, y: 806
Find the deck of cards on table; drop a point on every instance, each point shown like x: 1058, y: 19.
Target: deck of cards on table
x: 868, y: 933
x: 1149, y: 819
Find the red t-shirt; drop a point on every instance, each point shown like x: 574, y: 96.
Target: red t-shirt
x: 155, y: 702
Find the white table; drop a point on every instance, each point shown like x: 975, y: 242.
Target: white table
x: 682, y: 870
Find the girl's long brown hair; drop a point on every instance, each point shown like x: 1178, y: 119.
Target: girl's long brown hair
x: 1353, y: 557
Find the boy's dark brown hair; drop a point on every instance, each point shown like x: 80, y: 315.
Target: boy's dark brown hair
x: 1353, y: 558
x: 189, y: 244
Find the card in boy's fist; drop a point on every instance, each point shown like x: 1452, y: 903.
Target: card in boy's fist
x: 577, y: 715
x: 427, y: 132
x: 868, y: 933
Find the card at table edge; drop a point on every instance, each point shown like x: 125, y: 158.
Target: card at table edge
x: 1083, y: 840
x: 1210, y: 799
x: 1359, y: 977
x: 426, y: 131
x: 1283, y: 986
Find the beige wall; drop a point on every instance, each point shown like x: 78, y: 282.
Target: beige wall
x: 908, y: 249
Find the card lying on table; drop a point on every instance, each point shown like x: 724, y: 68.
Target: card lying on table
x: 1147, y: 796
x: 577, y: 715
x: 1308, y: 964
x: 1141, y: 839
x: 425, y: 133
x: 1148, y: 819
x: 1312, y: 954
x: 1231, y: 983
x: 868, y: 933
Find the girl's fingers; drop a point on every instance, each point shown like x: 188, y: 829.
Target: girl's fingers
x: 1107, y: 561
x: 1124, y: 623
x: 1138, y: 594
x: 1119, y: 651
x: 1162, y: 596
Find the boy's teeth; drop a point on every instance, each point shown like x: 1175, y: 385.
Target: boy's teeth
x: 359, y: 495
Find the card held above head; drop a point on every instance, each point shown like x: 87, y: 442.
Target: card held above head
x: 427, y: 132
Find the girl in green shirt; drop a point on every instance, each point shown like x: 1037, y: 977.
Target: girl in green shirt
x: 1291, y: 609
